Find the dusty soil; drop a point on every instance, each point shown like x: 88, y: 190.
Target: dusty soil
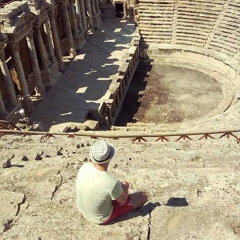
x: 168, y: 94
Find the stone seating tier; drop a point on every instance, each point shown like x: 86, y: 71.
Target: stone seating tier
x: 193, y: 188
x: 208, y: 24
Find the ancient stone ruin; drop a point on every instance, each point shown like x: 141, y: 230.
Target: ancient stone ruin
x: 159, y: 79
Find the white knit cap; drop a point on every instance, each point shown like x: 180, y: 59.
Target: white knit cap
x: 101, y: 152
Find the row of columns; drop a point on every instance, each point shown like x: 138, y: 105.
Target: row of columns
x: 77, y: 21
x: 80, y: 18
x: 47, y: 56
x: 8, y: 83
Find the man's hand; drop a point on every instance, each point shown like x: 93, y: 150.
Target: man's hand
x: 125, y: 186
x: 124, y: 196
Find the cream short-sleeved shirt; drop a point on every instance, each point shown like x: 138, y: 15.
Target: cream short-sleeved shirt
x: 95, y: 191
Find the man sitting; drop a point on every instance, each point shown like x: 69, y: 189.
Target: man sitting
x: 100, y: 196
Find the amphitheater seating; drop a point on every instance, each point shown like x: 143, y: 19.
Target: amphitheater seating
x: 211, y: 25
x: 156, y: 20
x: 195, y: 21
x: 226, y: 39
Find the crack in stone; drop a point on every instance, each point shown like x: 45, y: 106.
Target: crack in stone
x: 149, y: 226
x: 19, y: 204
x: 151, y: 207
x: 57, y: 185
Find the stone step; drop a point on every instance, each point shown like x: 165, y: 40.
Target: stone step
x: 191, y: 180
x: 186, y: 222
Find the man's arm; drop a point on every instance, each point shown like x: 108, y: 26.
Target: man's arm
x: 124, y: 196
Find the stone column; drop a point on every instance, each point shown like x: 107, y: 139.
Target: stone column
x: 35, y: 65
x: 95, y: 15
x: 21, y: 75
x: 73, y: 18
x: 42, y: 49
x: 84, y: 17
x: 79, y: 13
x: 49, y: 42
x: 97, y: 6
x: 72, y: 50
x: 93, y: 3
x: 76, y: 34
x: 89, y: 14
x: 3, y: 111
x: 7, y: 79
x: 56, y: 42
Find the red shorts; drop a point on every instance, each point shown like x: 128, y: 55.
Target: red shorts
x: 119, y: 209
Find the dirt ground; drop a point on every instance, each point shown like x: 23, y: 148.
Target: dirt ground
x: 168, y: 94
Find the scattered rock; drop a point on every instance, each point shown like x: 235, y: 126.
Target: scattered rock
x: 7, y: 164
x: 59, y: 151
x: 71, y: 128
x: 80, y: 145
x: 40, y: 153
x: 38, y: 157
x: 24, y: 158
x: 37, y: 126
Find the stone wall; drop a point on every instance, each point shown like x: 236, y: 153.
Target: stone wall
x: 120, y: 83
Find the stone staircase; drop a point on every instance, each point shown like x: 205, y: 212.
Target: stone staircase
x: 193, y: 187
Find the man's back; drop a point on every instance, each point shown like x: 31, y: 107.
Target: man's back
x: 95, y: 190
